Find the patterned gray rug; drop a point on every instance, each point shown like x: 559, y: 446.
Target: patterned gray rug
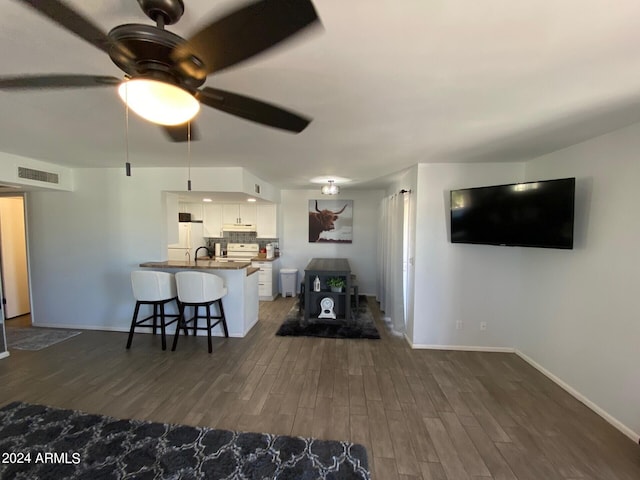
x: 98, y: 447
x: 36, y: 338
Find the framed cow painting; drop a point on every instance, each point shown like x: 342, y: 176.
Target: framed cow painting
x: 330, y: 221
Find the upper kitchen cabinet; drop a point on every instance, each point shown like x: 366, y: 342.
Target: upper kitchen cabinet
x: 266, y: 222
x: 212, y: 220
x: 239, y: 213
x: 195, y: 209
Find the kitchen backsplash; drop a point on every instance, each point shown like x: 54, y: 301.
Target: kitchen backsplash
x: 239, y: 237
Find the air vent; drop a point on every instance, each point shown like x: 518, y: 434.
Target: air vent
x: 256, y: 187
x: 37, y: 175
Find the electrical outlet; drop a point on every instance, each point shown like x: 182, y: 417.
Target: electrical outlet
x: 483, y: 325
x: 459, y: 325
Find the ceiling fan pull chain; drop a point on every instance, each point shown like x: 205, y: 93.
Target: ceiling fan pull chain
x: 127, y: 165
x: 189, y: 155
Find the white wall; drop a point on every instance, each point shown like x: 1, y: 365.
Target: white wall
x: 580, y: 315
x: 9, y: 164
x: 456, y: 282
x: 296, y: 251
x: 84, y: 244
x: 572, y: 313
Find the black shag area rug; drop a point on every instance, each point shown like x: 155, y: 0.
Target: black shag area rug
x: 362, y: 327
x: 39, y: 442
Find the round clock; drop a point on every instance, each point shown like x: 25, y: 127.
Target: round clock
x: 327, y: 308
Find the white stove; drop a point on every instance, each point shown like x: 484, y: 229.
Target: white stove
x: 240, y: 252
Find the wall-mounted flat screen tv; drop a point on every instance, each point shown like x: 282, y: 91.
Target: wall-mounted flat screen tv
x: 532, y: 214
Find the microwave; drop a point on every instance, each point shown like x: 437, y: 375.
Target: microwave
x: 184, y: 217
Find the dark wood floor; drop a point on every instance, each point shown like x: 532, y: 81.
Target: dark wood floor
x: 422, y: 414
x: 22, y: 321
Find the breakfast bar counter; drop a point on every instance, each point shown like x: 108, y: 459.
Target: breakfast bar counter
x: 201, y: 265
x: 241, y: 301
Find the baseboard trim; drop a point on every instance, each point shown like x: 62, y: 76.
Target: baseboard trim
x: 464, y: 348
x: 170, y: 330
x: 4, y: 355
x: 580, y: 397
x: 100, y: 328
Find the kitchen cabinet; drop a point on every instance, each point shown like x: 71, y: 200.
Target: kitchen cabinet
x: 239, y: 213
x: 212, y: 220
x: 266, y: 221
x: 267, y: 279
x: 195, y: 209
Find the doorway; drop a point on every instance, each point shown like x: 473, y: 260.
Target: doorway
x: 13, y: 259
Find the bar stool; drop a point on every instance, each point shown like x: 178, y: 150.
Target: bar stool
x: 157, y: 289
x: 199, y: 289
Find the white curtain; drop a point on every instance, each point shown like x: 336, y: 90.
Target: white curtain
x: 390, y: 261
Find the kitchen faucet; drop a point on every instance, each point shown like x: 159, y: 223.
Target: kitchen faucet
x: 197, y: 249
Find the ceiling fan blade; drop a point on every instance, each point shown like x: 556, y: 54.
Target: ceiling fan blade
x: 243, y: 34
x: 180, y: 133
x: 33, y: 82
x: 70, y: 19
x: 252, y: 109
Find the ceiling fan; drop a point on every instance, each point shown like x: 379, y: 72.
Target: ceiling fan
x: 168, y: 70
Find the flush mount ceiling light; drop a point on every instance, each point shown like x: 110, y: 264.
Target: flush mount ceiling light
x: 159, y: 102
x: 330, y: 189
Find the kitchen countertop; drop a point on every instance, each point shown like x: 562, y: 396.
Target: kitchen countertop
x: 253, y: 259
x: 258, y: 259
x: 203, y: 264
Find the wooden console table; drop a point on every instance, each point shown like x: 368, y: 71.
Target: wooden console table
x: 324, y: 269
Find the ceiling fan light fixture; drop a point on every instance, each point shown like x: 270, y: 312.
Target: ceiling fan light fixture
x: 330, y: 189
x: 159, y: 102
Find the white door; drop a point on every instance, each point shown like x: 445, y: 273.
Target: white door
x: 13, y: 256
x: 3, y: 337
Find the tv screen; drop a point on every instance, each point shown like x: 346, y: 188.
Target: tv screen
x: 532, y: 214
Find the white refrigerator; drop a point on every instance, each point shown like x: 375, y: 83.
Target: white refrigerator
x: 190, y: 237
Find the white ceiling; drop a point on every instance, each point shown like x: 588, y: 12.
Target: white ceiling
x: 389, y: 84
